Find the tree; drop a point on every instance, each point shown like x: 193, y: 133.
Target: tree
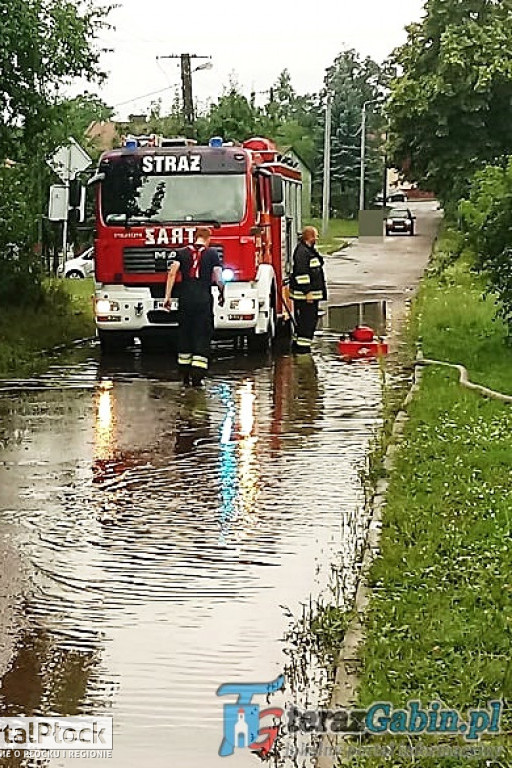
x: 302, y: 138
x: 294, y: 120
x: 78, y: 113
x: 353, y: 81
x: 449, y: 109
x: 486, y: 220
x: 232, y: 117
x: 171, y: 124
x: 282, y: 99
x: 45, y: 45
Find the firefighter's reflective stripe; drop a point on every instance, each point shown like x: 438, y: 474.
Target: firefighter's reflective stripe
x: 307, y: 273
x: 302, y: 341
x: 199, y: 362
x: 297, y: 295
x: 184, y: 358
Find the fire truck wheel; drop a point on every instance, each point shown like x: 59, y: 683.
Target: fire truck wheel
x: 114, y: 341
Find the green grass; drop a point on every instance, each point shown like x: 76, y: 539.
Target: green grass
x: 339, y: 229
x: 25, y: 332
x: 457, y: 325
x: 440, y: 618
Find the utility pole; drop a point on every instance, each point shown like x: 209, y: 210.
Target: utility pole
x: 363, y: 153
x: 186, y: 80
x: 385, y: 178
x: 67, y: 177
x: 186, y: 88
x: 326, y: 194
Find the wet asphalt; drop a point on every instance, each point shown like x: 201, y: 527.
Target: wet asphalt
x: 158, y: 541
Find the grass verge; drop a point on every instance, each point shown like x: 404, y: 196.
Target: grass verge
x: 338, y: 230
x: 440, y: 619
x: 65, y: 315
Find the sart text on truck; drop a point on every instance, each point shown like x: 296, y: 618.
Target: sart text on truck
x: 150, y: 198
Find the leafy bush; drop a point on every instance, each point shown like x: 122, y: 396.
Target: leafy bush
x: 446, y: 251
x: 20, y: 281
x: 20, y: 274
x: 486, y: 219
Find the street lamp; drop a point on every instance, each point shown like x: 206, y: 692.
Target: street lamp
x: 363, y: 151
x: 326, y: 192
x: 206, y: 65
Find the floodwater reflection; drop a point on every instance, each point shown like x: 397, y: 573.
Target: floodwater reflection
x: 343, y: 318
x: 168, y: 535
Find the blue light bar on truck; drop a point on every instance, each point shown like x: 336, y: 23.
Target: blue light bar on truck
x: 216, y: 141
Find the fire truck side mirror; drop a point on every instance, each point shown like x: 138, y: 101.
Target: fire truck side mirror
x: 75, y: 192
x: 276, y: 188
x: 277, y: 209
x: 77, y: 202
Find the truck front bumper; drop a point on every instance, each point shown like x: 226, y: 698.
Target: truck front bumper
x: 133, y: 309
x: 122, y: 308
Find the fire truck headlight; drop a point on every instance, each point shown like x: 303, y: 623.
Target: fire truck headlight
x: 228, y: 275
x: 104, y: 306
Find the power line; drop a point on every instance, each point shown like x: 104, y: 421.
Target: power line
x: 143, y: 96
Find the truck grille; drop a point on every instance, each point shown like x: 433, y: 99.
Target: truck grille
x: 142, y: 260
x: 146, y: 261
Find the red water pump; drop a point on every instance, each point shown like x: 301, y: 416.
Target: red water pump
x: 361, y: 344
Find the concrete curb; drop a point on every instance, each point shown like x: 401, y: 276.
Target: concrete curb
x: 349, y: 662
x: 69, y: 345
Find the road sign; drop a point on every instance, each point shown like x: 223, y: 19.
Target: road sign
x: 69, y: 160
x: 58, y: 206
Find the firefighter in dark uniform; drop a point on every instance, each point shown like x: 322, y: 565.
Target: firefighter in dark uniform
x: 200, y: 267
x: 307, y: 289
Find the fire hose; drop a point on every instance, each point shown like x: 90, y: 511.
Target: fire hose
x: 464, y: 379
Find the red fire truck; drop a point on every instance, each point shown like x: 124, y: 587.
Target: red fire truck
x: 151, y: 196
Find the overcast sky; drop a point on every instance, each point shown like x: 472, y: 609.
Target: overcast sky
x: 255, y: 41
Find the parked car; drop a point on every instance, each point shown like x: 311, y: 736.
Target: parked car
x: 391, y: 199
x: 400, y: 220
x: 80, y: 267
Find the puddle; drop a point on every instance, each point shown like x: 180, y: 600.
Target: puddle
x: 163, y: 541
x: 343, y: 318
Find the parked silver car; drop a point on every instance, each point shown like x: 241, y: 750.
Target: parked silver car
x: 80, y: 267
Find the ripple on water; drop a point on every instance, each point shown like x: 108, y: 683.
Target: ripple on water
x: 168, y: 534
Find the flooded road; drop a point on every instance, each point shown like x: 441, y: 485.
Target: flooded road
x: 158, y: 542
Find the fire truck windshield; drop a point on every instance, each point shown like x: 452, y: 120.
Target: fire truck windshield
x: 132, y: 198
